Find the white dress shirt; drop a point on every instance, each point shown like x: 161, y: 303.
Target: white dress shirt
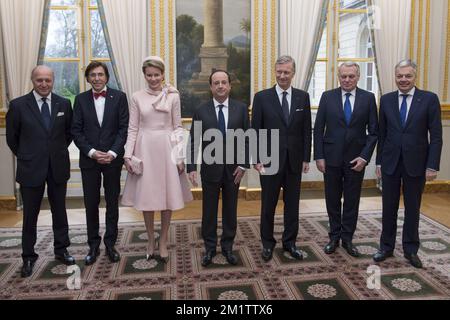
x: 100, y: 107
x: 100, y: 110
x: 409, y: 100
x: 225, y: 114
x: 288, y: 96
x: 39, y: 101
x: 224, y: 110
x: 351, y: 98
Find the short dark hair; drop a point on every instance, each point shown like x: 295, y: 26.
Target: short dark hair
x: 96, y: 64
x: 214, y: 71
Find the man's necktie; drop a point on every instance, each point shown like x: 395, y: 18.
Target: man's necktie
x: 222, y: 127
x: 45, y: 112
x: 285, y: 107
x: 347, y: 108
x: 99, y: 94
x: 403, y: 109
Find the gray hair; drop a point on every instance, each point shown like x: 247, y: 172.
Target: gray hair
x: 44, y: 67
x: 350, y: 64
x: 286, y: 59
x: 406, y: 63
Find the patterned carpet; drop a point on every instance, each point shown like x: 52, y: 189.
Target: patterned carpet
x: 318, y: 276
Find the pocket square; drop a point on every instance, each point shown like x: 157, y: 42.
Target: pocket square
x: 298, y: 110
x: 60, y: 114
x: 136, y: 165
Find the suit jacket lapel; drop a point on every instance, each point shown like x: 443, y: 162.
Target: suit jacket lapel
x: 91, y: 107
x: 54, y: 110
x: 340, y: 106
x: 231, y: 115
x: 212, y: 114
x: 276, y: 104
x: 417, y: 98
x: 34, y: 108
x: 109, y: 102
x: 295, y: 102
x: 396, y: 111
x: 356, y: 105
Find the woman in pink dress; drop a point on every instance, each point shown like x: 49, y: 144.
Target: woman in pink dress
x: 154, y: 137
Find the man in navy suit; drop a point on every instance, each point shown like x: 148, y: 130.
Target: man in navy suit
x: 345, y: 135
x: 221, y: 115
x: 100, y: 126
x: 285, y: 110
x: 38, y: 133
x: 408, y: 154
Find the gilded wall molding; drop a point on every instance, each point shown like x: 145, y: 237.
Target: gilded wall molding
x: 162, y: 32
x: 429, y: 45
x: 445, y: 110
x: 273, y: 33
x: 255, y: 41
x: 172, y: 40
x: 2, y: 119
x: 447, y: 58
x: 264, y: 43
x: 426, y: 62
x: 8, y: 203
x: 412, y: 27
x: 153, y: 26
x: 419, y: 41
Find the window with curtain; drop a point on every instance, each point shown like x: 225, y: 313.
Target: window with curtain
x: 350, y: 40
x: 75, y: 37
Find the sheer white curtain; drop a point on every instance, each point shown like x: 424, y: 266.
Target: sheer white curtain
x: 126, y: 23
x: 391, y: 26
x: 301, y: 23
x: 21, y: 22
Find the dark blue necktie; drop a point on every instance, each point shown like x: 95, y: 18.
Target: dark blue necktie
x: 285, y: 107
x: 45, y: 112
x: 404, y: 109
x: 347, y: 108
x: 222, y: 127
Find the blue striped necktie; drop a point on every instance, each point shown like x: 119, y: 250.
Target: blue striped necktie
x: 347, y: 108
x: 404, y: 110
x: 222, y: 120
x: 45, y: 112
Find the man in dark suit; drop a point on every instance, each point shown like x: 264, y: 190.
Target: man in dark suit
x: 408, y: 154
x: 286, y: 110
x: 345, y: 135
x: 220, y: 115
x: 100, y: 125
x: 38, y: 133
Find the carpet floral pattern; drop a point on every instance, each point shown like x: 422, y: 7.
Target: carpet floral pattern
x: 317, y: 277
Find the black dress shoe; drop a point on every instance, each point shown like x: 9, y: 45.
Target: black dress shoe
x: 92, y: 256
x: 382, y: 255
x: 163, y: 259
x: 112, y: 254
x: 294, y: 252
x: 414, y: 260
x: 27, y: 268
x: 65, y: 258
x: 266, y: 254
x: 231, y: 258
x: 351, y: 249
x: 207, y: 258
x: 331, y: 246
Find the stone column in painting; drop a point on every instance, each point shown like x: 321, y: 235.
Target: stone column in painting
x: 213, y: 53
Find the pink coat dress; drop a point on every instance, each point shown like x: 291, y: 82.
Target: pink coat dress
x: 155, y: 124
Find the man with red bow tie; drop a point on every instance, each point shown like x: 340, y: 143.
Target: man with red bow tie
x: 99, y: 129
